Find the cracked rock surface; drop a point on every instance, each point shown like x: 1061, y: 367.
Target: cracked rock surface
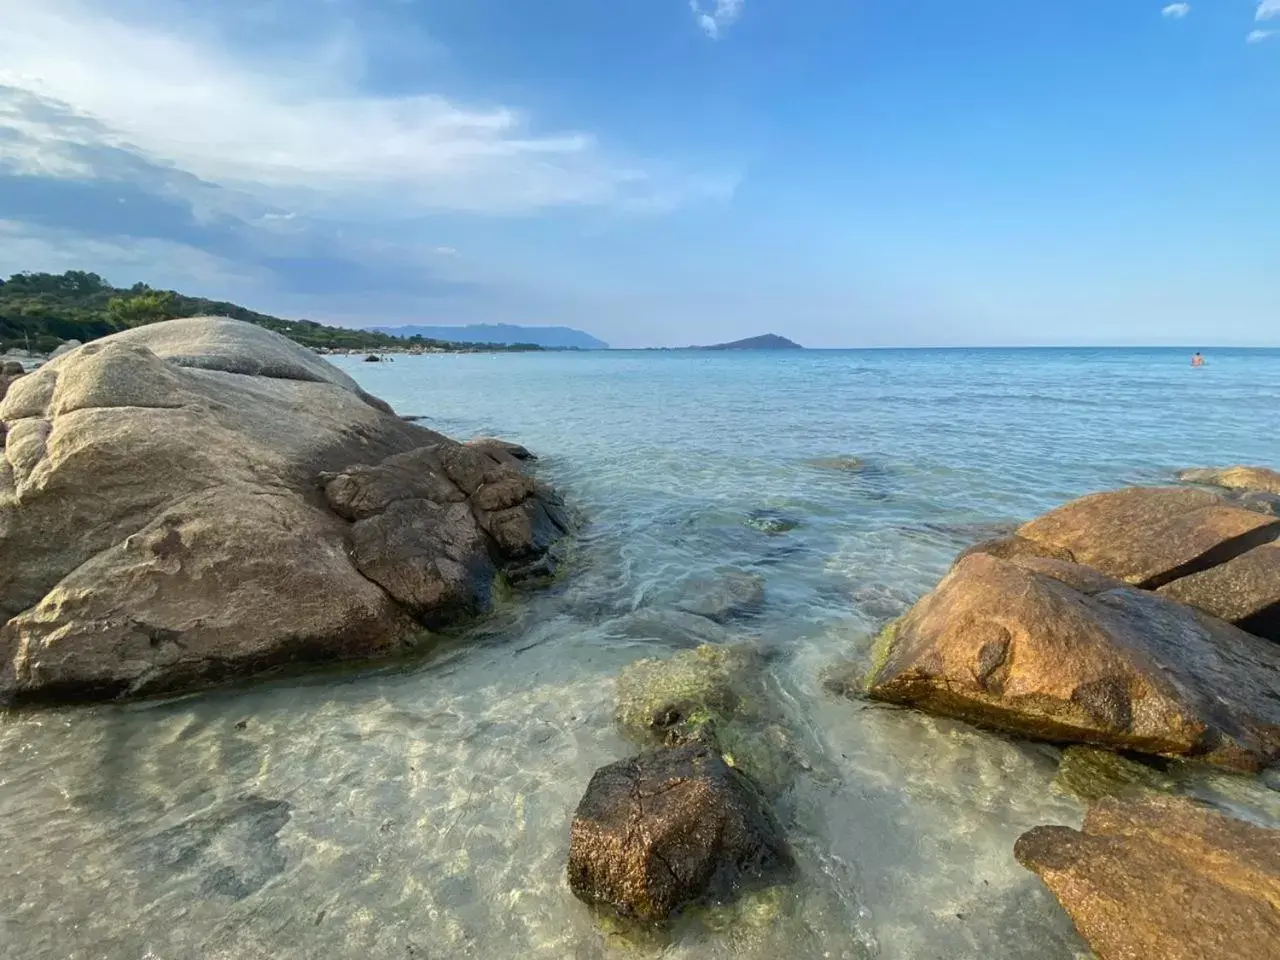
x: 202, y: 499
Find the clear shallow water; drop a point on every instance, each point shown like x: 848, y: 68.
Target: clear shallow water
x: 422, y: 809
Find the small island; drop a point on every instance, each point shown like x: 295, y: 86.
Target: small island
x: 770, y: 341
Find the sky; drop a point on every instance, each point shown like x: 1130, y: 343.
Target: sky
x: 663, y: 172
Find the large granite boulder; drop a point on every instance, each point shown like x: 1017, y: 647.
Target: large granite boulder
x: 1194, y: 546
x: 202, y: 499
x: 1166, y: 879
x: 668, y: 828
x: 1057, y: 651
x: 1150, y: 536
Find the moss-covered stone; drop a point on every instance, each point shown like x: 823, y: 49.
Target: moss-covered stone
x: 881, y: 648
x: 718, y: 695
x: 688, y: 694
x: 1091, y: 774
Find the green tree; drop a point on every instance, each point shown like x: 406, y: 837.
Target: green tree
x: 145, y: 308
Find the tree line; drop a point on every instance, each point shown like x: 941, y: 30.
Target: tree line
x: 38, y: 311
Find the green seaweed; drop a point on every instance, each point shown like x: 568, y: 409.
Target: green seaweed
x: 881, y: 650
x: 1090, y: 773
x: 714, y: 694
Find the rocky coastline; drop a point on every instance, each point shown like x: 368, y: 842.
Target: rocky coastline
x: 202, y: 500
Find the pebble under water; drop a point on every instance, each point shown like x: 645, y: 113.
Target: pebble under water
x: 421, y: 809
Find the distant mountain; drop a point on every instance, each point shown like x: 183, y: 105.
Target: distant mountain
x: 770, y: 341
x: 507, y: 333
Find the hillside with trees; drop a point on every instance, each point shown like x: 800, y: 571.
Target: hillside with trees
x: 40, y: 310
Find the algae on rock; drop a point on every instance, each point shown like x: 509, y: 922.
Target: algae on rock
x: 1091, y: 774
x: 718, y: 695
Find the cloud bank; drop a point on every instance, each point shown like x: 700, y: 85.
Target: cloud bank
x: 299, y: 132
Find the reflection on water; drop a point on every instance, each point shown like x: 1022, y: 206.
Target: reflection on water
x: 422, y: 809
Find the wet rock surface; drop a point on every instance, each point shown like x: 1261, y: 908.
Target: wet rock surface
x: 201, y: 499
x: 1164, y: 879
x: 1057, y: 651
x: 667, y: 828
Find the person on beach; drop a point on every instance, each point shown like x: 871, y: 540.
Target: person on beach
x: 1197, y: 360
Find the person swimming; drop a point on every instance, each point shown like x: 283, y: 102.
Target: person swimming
x: 1197, y: 360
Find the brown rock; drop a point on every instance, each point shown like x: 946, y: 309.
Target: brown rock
x: 1163, y: 879
x: 664, y: 829
x: 503, y: 451
x: 1054, y: 651
x: 1150, y: 536
x: 1245, y: 590
x: 161, y: 523
x: 1010, y: 547
x: 1257, y: 479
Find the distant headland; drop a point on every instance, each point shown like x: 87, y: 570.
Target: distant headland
x: 769, y: 341
x: 506, y: 334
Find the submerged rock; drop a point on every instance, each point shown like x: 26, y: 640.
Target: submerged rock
x: 1057, y: 651
x: 672, y: 628
x: 729, y: 595
x: 772, y: 522
x: 722, y: 696
x: 1163, y: 879
x: 847, y: 464
x: 689, y: 695
x: 669, y: 828
x: 1091, y: 774
x: 202, y: 499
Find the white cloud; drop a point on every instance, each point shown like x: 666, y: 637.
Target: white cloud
x: 714, y: 20
x: 1268, y: 9
x: 1258, y: 36
x: 1176, y: 11
x: 445, y: 251
x: 296, y: 132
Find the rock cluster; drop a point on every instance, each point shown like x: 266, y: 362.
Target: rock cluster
x: 203, y: 499
x: 688, y: 819
x: 1163, y: 878
x: 1145, y: 621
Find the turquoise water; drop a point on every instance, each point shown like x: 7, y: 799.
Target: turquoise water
x: 422, y: 809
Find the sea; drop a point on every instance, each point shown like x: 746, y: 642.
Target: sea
x: 421, y: 809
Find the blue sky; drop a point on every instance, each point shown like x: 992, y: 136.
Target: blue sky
x: 660, y: 172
